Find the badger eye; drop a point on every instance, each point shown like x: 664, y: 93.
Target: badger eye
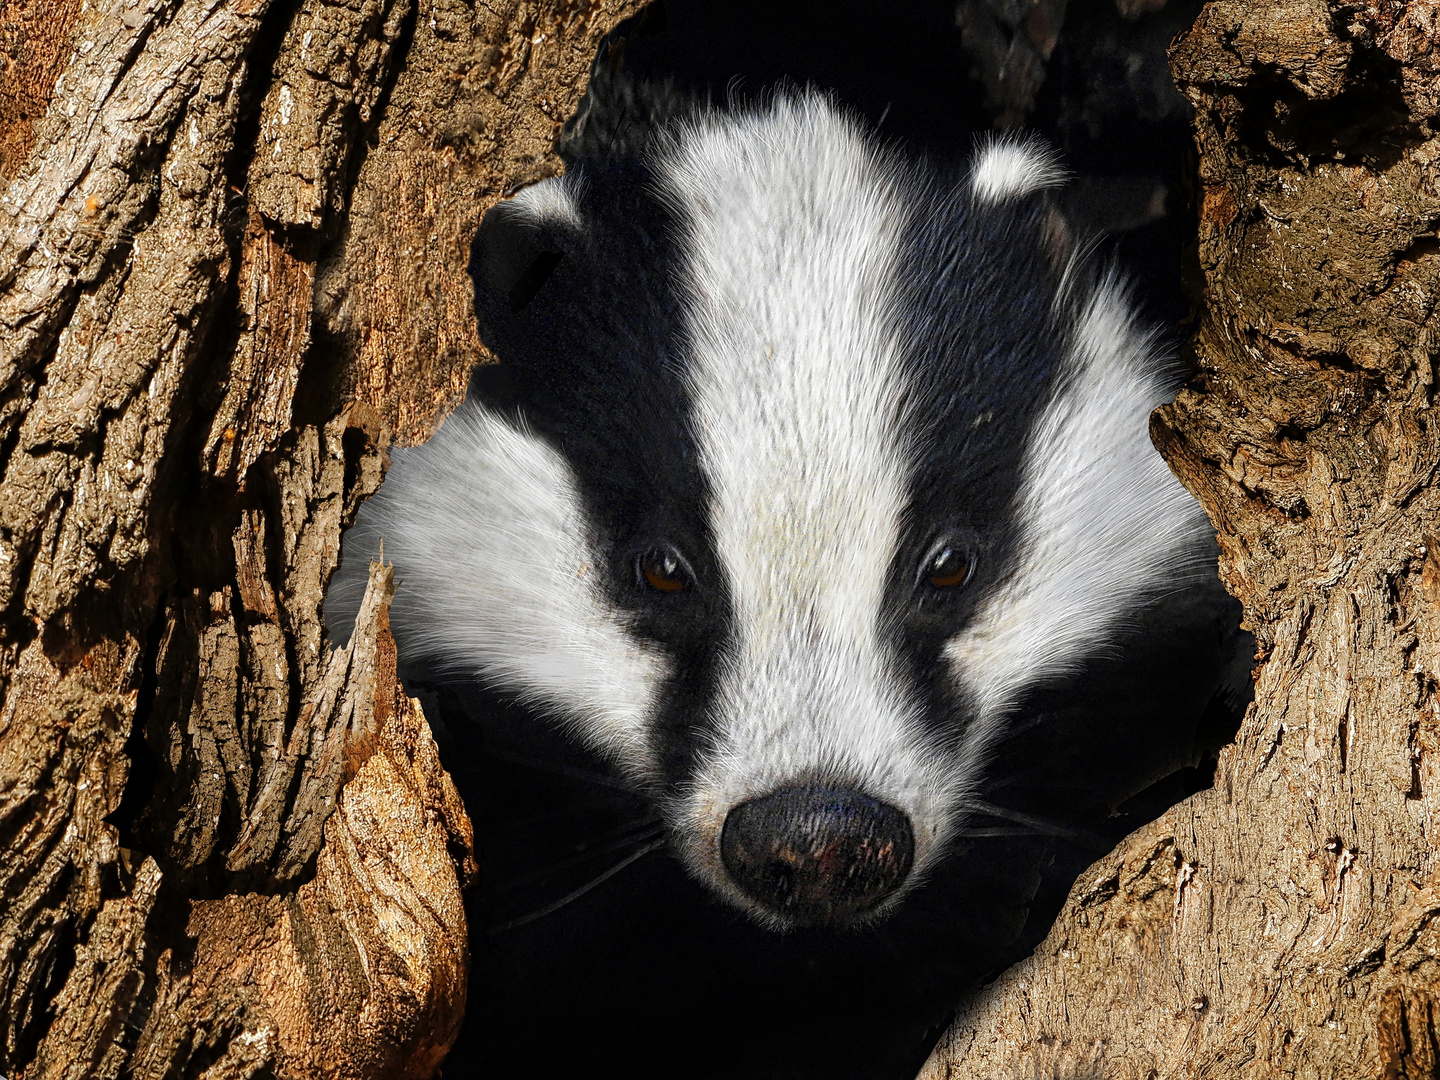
x: 948, y: 567
x: 663, y: 569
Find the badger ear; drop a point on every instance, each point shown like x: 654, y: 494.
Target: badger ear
x: 519, y: 245
x: 1007, y: 168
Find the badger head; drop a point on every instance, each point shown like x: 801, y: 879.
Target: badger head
x: 800, y: 466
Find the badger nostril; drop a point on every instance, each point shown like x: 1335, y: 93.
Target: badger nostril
x: 818, y: 856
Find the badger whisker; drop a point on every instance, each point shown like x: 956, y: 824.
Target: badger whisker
x: 557, y: 812
x: 575, y: 894
x: 1037, y: 824
x: 1010, y: 778
x: 1013, y: 731
x: 618, y: 838
x: 558, y: 769
x: 987, y: 834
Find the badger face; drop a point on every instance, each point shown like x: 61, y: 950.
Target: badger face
x: 800, y: 467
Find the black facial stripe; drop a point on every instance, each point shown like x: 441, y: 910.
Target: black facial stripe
x: 591, y: 364
x: 588, y: 364
x: 984, y: 353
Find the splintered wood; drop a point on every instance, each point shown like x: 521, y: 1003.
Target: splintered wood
x: 361, y: 971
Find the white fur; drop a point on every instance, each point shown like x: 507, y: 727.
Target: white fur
x: 794, y: 336
x: 554, y: 200
x: 1009, y: 168
x: 1104, y: 524
x: 791, y: 227
x: 497, y: 581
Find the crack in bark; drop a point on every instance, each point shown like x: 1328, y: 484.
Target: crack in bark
x: 287, y: 896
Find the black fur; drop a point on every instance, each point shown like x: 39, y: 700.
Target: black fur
x: 652, y: 973
x: 648, y: 974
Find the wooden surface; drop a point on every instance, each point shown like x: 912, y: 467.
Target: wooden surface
x: 232, y: 272
x: 1284, y: 922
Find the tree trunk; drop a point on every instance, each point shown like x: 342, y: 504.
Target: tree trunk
x: 1285, y: 921
x: 232, y: 270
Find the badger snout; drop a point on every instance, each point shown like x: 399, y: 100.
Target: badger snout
x: 817, y: 856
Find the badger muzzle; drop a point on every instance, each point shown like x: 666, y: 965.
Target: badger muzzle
x: 817, y: 856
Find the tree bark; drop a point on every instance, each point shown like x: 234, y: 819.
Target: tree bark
x: 1287, y: 921
x: 232, y: 271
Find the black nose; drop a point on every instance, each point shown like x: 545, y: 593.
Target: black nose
x: 817, y: 856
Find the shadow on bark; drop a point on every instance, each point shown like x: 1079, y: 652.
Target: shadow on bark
x: 232, y: 272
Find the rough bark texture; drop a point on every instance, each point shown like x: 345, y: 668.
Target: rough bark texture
x: 1287, y: 922
x: 232, y: 271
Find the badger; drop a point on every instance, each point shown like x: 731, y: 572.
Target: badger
x: 810, y: 474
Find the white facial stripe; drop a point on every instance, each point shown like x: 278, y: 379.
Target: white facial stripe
x: 556, y: 199
x: 1009, y: 167
x: 1103, y: 522
x: 791, y: 229
x: 497, y: 580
